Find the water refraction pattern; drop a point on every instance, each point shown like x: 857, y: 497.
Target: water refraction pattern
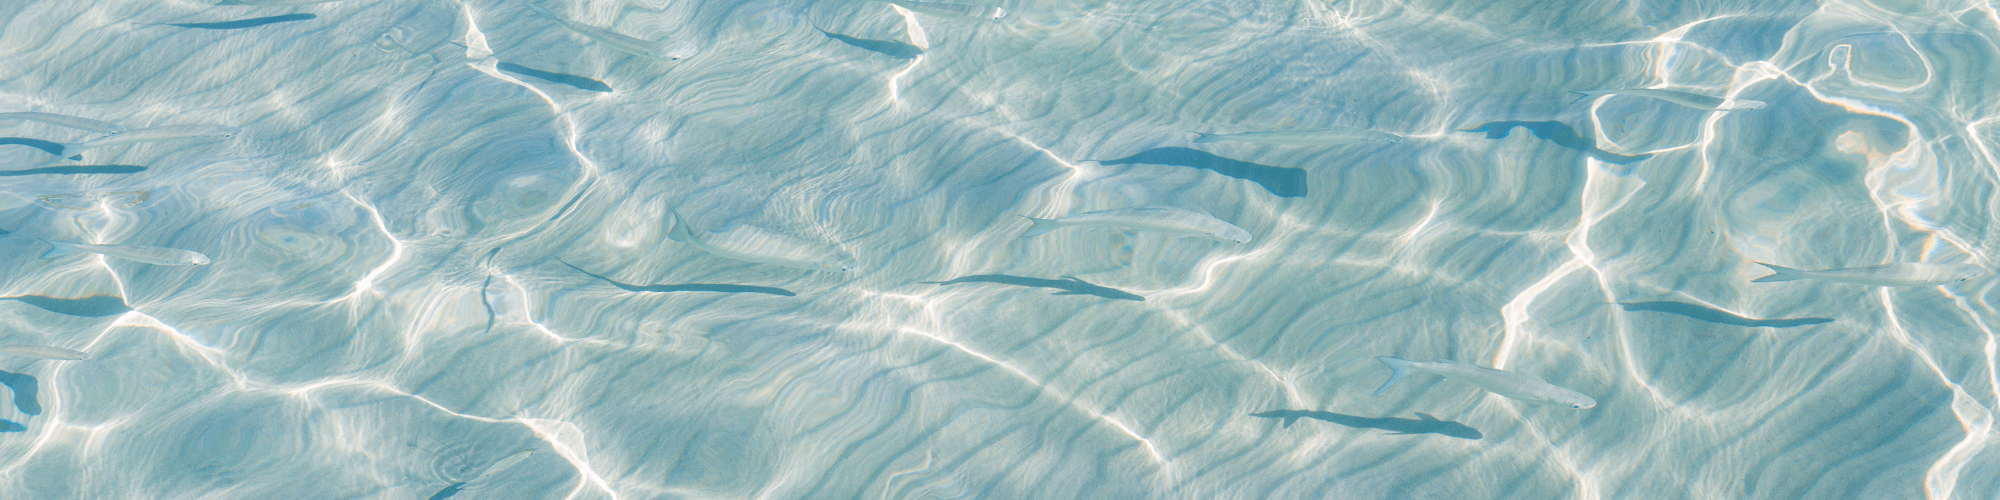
x: 436, y: 253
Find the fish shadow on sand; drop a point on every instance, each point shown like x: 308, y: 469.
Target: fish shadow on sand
x: 562, y: 78
x: 687, y: 287
x: 1069, y: 285
x: 1559, y: 133
x: 1282, y: 181
x: 889, y: 48
x: 26, y: 389
x: 1713, y: 315
x: 246, y: 23
x: 76, y: 169
x: 1425, y: 425
x: 94, y: 306
x: 448, y: 491
x: 49, y: 147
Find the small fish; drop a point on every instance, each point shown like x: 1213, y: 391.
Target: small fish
x: 54, y: 148
x: 889, y: 48
x: 75, y: 169
x: 1510, y: 384
x: 1168, y: 220
x: 1069, y: 285
x: 246, y: 23
x: 565, y: 79
x: 1696, y: 101
x: 44, y: 352
x: 1898, y: 274
x: 1303, y: 137
x: 952, y: 9
x: 685, y: 287
x: 150, y: 255
x: 74, y: 122
x: 663, y: 49
x: 1713, y: 315
x: 155, y: 134
x: 754, y: 244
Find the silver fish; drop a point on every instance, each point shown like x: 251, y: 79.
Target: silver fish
x: 44, y: 352
x: 1303, y: 137
x: 155, y: 134
x: 1696, y: 101
x: 663, y: 50
x: 75, y: 122
x: 1514, y: 385
x: 1169, y: 220
x: 755, y: 244
x: 1898, y: 274
x: 150, y: 255
x: 952, y: 9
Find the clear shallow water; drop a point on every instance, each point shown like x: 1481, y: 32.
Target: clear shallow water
x: 392, y: 307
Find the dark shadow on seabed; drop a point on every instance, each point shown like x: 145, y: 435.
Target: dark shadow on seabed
x: 448, y: 491
x: 1069, y: 285
x: 90, y: 307
x: 1425, y: 425
x: 562, y: 78
x: 688, y: 287
x: 889, y: 48
x: 50, y: 147
x: 75, y: 170
x: 1559, y: 133
x: 1283, y: 181
x: 26, y: 389
x: 1712, y: 315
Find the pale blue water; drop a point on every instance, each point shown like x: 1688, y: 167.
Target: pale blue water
x: 404, y: 233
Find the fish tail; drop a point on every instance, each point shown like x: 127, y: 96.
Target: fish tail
x: 1202, y: 138
x: 57, y: 249
x: 1398, y: 368
x: 1780, y: 273
x: 1040, y: 226
x: 680, y: 232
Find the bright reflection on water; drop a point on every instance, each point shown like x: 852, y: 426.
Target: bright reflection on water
x: 443, y: 262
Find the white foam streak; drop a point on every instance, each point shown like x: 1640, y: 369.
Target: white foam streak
x: 367, y: 282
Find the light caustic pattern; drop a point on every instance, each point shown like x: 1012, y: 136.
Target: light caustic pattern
x: 392, y: 312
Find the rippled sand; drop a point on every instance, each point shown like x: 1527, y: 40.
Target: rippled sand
x: 392, y: 307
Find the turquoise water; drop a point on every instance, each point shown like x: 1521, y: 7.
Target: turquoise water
x: 439, y: 237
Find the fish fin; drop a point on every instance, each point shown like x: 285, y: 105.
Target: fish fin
x: 1040, y: 226
x: 1426, y: 416
x: 1780, y: 273
x: 69, y: 150
x: 77, y: 157
x: 1581, y: 95
x: 1205, y: 138
x: 1290, y: 420
x: 680, y: 231
x: 1398, y: 368
x: 57, y: 249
